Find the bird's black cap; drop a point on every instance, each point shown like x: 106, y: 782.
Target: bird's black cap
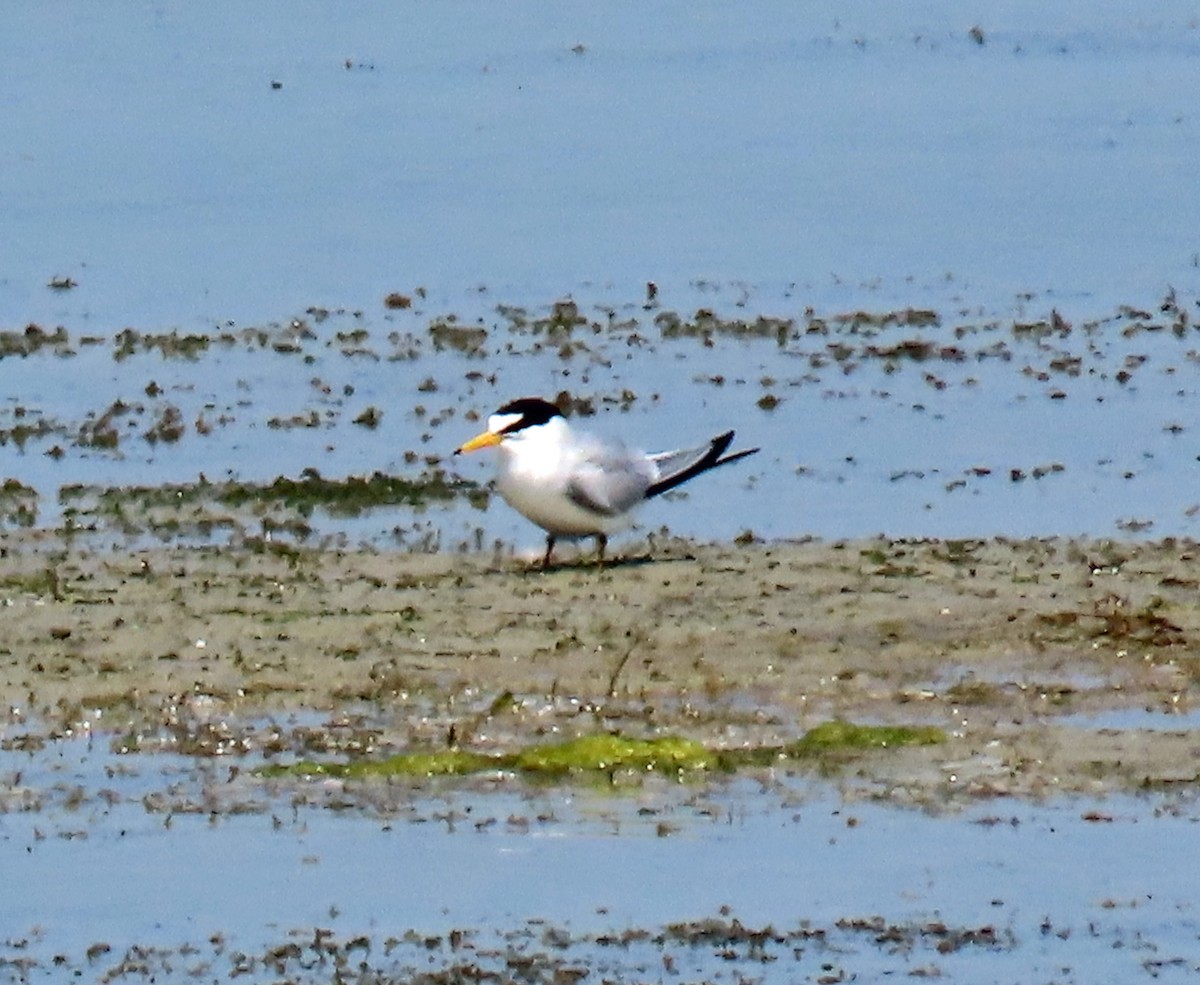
x: 532, y: 411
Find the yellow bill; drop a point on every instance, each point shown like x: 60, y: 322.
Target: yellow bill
x: 485, y: 440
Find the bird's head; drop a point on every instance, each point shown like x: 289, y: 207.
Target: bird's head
x: 511, y: 420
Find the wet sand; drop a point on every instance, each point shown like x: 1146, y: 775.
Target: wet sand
x: 1053, y: 665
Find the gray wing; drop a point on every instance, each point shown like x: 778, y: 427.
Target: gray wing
x: 608, y: 479
x: 673, y: 463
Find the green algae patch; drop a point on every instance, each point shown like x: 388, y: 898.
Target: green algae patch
x: 606, y: 753
x: 349, y: 496
x: 305, y: 767
x: 586, y: 754
x: 600, y: 753
x: 840, y: 736
x: 284, y: 504
x: 448, y: 762
x: 830, y: 743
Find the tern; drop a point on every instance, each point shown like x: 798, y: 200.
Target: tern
x: 578, y: 485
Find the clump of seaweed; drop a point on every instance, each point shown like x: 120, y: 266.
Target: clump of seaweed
x: 706, y: 325
x: 447, y: 334
x: 33, y: 339
x: 345, y: 497
x: 607, y: 753
x: 1119, y: 622
x: 169, y: 345
x: 18, y: 504
x: 1114, y: 620
x: 284, y: 505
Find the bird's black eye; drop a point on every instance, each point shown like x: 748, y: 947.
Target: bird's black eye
x: 529, y: 412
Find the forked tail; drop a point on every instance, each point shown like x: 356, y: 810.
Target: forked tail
x: 689, y: 464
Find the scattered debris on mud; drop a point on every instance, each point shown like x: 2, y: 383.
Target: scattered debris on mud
x: 1016, y: 653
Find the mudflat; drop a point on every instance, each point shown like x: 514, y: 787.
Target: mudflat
x: 1051, y: 665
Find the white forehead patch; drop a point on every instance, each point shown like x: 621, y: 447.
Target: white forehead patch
x: 498, y: 422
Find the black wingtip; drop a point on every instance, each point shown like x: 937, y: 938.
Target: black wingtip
x: 711, y: 460
x: 720, y: 443
x: 736, y: 455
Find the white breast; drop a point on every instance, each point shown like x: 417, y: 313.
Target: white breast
x: 538, y: 467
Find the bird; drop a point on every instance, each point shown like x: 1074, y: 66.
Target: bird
x: 573, y: 484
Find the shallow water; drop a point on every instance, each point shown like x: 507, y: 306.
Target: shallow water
x: 187, y: 165
x: 1069, y: 890
x: 847, y: 158
x: 1087, y: 429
